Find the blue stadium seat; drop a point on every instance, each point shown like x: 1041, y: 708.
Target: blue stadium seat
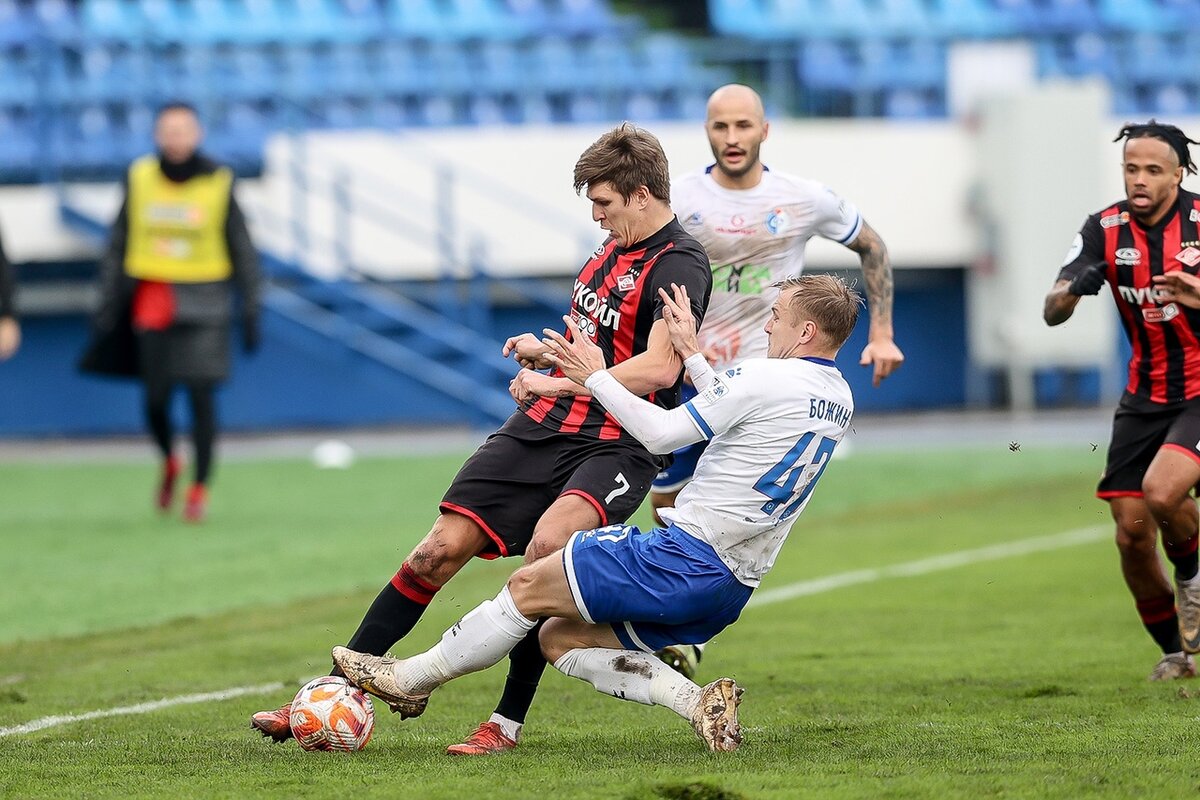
x: 18, y: 76
x: 1076, y: 56
x: 1147, y: 15
x: 917, y: 64
x: 912, y: 104
x: 838, y: 18
x: 497, y: 67
x: 606, y: 64
x: 551, y: 65
x: 18, y: 24
x: 746, y: 18
x: 586, y: 107
x: 18, y: 142
x: 83, y: 141
x: 1023, y: 17
x: 903, y: 18
x: 1152, y: 58
x: 416, y: 18
x: 529, y: 16
x: 662, y: 62
x: 57, y: 19
x: 485, y: 19
x: 1068, y: 16
x: 398, y: 70
x: 110, y: 20
x: 786, y: 18
x: 972, y: 19
x: 445, y: 68
x: 586, y: 17
x: 827, y: 64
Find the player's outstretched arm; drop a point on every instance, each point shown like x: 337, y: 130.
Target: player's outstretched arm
x: 1062, y: 299
x: 661, y: 431
x: 527, y: 350
x: 881, y: 351
x: 1179, y: 287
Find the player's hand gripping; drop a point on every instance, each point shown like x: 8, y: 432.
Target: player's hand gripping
x: 1089, y: 281
x: 577, y: 358
x: 527, y: 349
x: 1180, y: 287
x: 681, y: 325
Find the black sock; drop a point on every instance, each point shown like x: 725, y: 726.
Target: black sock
x: 393, y: 614
x: 1184, y: 557
x: 158, y: 417
x: 204, y: 428
x: 525, y: 667
x: 1159, y: 618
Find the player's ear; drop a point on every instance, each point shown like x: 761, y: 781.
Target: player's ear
x: 766, y: 130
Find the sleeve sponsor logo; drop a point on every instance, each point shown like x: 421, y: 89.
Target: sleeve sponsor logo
x: 716, y: 391
x: 1076, y: 249
x: 1194, y: 215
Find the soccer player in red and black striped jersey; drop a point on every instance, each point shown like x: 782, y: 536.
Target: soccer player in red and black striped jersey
x: 561, y: 463
x: 1154, y: 454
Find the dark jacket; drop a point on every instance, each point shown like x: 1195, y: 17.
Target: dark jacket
x: 113, y: 347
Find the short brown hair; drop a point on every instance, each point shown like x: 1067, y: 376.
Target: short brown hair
x: 628, y: 157
x: 828, y: 301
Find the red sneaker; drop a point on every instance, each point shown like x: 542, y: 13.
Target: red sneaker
x: 275, y: 724
x: 197, y: 503
x: 166, y: 488
x: 485, y: 740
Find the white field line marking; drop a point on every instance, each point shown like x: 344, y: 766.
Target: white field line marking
x: 766, y: 597
x: 923, y: 566
x: 140, y: 708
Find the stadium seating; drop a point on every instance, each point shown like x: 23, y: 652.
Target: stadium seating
x: 887, y: 57
x: 88, y: 70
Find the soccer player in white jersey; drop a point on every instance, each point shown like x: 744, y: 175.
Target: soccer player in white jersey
x: 616, y: 594
x: 755, y: 224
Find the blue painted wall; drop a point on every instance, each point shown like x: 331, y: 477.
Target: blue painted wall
x: 300, y: 380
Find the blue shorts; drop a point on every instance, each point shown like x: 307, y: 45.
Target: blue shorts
x: 683, y: 467
x: 656, y: 588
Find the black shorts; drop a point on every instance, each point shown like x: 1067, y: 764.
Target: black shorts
x: 523, y: 468
x: 1140, y: 430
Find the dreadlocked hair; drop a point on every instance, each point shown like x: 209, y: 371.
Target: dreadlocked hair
x: 1170, y: 134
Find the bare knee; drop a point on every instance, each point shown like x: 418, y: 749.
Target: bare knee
x: 547, y: 538
x: 554, y: 639
x: 661, y: 500
x: 1164, y: 499
x: 445, y: 549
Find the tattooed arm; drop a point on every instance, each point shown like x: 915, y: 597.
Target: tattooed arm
x: 881, y: 351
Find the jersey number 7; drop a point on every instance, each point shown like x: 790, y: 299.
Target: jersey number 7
x: 782, y: 481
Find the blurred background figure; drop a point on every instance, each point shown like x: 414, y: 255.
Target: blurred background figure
x: 177, y: 248
x: 10, y: 330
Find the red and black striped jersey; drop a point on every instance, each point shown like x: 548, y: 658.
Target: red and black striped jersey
x: 615, y: 300
x: 1165, y: 337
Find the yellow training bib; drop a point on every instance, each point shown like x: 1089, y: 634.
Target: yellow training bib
x: 177, y: 230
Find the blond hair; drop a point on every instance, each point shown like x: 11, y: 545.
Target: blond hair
x: 828, y: 301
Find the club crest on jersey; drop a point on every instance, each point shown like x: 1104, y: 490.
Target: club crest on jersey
x: 1194, y: 215
x: 1112, y: 220
x: 777, y: 221
x: 625, y: 283
x: 695, y: 219
x: 1165, y: 314
x: 1189, y: 256
x: 1128, y: 257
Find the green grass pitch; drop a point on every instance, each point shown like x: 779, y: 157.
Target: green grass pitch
x: 1019, y: 677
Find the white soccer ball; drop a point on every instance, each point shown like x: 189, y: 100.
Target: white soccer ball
x: 333, y: 454
x: 330, y: 714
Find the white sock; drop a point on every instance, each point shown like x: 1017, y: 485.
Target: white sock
x: 510, y: 728
x: 632, y: 675
x: 700, y: 647
x: 475, y: 642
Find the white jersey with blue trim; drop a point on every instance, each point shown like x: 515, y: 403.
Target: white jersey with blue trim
x: 754, y: 238
x: 773, y: 424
